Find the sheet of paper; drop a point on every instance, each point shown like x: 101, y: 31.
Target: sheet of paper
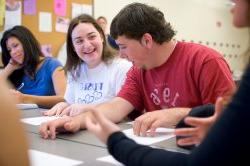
x: 45, y: 22
x: 87, y: 9
x: 38, y: 158
x: 109, y: 159
x: 62, y: 24
x: 29, y: 7
x: 13, y: 17
x: 130, y: 123
x: 161, y: 134
x: 78, y: 9
x: 39, y: 120
x: 26, y: 106
x: 60, y: 7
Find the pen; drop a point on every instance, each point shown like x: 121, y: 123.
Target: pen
x: 20, y: 86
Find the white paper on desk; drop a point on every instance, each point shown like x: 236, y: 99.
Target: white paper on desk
x: 38, y: 158
x: 26, y: 106
x: 161, y: 134
x: 39, y: 120
x: 130, y: 123
x: 109, y: 159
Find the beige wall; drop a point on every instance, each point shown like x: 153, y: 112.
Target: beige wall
x: 194, y: 20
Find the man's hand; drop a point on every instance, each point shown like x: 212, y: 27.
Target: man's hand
x: 161, y: 118
x: 100, y: 126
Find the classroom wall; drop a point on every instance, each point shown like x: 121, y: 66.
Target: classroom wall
x: 54, y: 38
x: 208, y: 22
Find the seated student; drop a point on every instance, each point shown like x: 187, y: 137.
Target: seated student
x: 41, y: 80
x: 95, y: 75
x: 14, y: 145
x: 102, y: 21
x: 168, y: 77
x: 226, y: 143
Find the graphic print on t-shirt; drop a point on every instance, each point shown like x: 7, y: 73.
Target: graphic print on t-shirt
x: 162, y: 96
x: 91, y: 92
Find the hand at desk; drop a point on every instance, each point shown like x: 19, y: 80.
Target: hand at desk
x: 160, y: 118
x: 100, y: 126
x: 76, y: 109
x: 64, y: 108
x: 57, y: 109
x: 50, y: 129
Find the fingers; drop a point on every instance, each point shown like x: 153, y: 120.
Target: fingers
x: 188, y: 141
x: 145, y: 126
x: 75, y: 110
x: 73, y: 125
x: 190, y: 136
x: 100, y: 125
x: 56, y: 110
x: 185, y: 131
x: 192, y: 121
x: 50, y: 112
x: 142, y: 124
x: 219, y: 106
x: 45, y: 113
x: 43, y: 130
x: 153, y: 128
x: 137, y: 125
x: 48, y: 129
x: 65, y: 111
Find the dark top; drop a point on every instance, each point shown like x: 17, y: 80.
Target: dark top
x: 227, y: 143
x: 199, y: 111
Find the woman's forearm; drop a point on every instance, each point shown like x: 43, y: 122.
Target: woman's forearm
x: 44, y: 101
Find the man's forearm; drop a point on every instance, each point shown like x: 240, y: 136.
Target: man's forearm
x: 177, y: 114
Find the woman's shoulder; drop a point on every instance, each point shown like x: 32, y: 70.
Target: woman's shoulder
x: 119, y: 66
x: 121, y: 63
x: 51, y: 61
x: 50, y: 64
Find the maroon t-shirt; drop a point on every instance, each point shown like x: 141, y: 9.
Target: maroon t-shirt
x: 193, y: 75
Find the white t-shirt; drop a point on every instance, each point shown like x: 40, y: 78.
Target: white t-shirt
x: 98, y: 84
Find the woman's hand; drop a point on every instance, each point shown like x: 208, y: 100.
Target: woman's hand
x: 57, y: 110
x: 200, y: 126
x: 13, y: 65
x: 100, y: 126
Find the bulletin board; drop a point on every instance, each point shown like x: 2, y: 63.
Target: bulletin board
x: 56, y: 39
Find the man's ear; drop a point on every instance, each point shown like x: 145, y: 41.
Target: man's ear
x: 147, y: 40
x: 143, y: 42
